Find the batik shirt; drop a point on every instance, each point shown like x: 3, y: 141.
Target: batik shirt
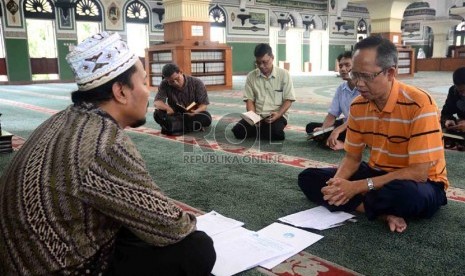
x: 75, y: 182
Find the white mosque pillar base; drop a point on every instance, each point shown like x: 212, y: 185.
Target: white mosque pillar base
x: 440, y: 45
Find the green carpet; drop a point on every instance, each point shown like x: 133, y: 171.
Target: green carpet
x: 258, y: 194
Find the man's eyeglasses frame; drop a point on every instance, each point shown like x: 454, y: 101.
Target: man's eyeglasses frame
x: 365, y: 77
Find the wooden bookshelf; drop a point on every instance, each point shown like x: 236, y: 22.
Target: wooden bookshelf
x: 210, y: 62
x: 459, y: 52
x: 6, y: 143
x: 405, y: 62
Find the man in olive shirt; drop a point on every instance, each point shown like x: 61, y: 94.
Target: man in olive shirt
x: 269, y: 92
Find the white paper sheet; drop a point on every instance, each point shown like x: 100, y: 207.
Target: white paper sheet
x: 297, y: 238
x: 318, y: 218
x: 240, y: 249
x: 213, y: 223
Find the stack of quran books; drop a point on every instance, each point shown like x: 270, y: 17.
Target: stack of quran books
x: 6, y: 141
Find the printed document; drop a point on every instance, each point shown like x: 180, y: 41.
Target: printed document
x: 318, y: 218
x: 297, y: 238
x: 213, y: 223
x: 240, y: 249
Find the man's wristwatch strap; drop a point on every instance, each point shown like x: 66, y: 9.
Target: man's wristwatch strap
x: 370, y: 184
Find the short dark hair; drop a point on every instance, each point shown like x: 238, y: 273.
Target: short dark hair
x: 386, y: 51
x: 169, y: 69
x: 263, y: 49
x: 104, y: 92
x: 459, y: 76
x: 346, y: 54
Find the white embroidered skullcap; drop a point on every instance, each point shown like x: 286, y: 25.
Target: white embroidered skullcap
x: 99, y: 59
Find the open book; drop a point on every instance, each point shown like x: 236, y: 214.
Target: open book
x: 188, y: 108
x: 314, y: 134
x: 453, y: 136
x: 253, y: 118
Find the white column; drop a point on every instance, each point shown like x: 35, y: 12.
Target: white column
x: 385, y: 15
x: 440, y: 29
x: 319, y: 50
x: 294, y: 38
x: 186, y: 10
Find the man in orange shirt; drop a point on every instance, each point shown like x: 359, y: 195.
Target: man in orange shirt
x: 405, y: 176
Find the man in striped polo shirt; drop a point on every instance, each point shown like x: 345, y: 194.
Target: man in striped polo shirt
x: 405, y: 175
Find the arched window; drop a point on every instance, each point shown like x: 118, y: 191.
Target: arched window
x: 137, y: 13
x: 88, y: 15
x: 217, y: 17
x: 3, y: 72
x: 286, y: 21
x: 2, y: 48
x: 218, y: 24
x: 291, y: 23
x: 459, y: 34
x: 137, y: 30
x: 312, y: 24
x: 362, y: 27
x: 309, y: 22
x: 88, y: 10
x: 40, y: 25
x: 40, y: 9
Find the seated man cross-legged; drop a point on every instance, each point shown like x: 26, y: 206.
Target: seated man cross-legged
x: 176, y: 92
x: 453, y: 112
x: 269, y: 92
x: 77, y: 198
x: 405, y: 176
x: 344, y: 95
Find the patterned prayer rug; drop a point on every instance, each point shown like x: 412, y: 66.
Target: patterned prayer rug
x: 301, y: 264
x: 306, y: 264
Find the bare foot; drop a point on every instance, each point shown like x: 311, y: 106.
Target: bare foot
x: 339, y: 145
x: 396, y: 224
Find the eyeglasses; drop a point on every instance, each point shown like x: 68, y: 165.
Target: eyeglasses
x: 365, y: 77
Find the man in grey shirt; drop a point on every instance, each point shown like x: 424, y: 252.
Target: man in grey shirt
x: 177, y: 91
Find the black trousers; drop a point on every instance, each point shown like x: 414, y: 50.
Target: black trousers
x: 452, y: 142
x: 265, y: 131
x: 402, y: 198
x: 312, y: 125
x: 192, y: 256
x: 190, y: 123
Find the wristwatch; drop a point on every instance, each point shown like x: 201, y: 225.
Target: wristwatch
x: 370, y: 184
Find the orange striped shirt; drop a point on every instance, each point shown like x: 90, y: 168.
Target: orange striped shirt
x: 407, y: 131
